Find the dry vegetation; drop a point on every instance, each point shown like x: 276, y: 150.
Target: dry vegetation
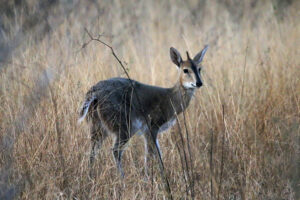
x: 252, y: 69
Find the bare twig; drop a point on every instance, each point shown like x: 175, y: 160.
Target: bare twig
x: 211, y: 165
x: 188, y: 162
x: 161, y: 165
x: 222, y: 154
x: 182, y: 164
x: 191, y: 177
x: 183, y: 161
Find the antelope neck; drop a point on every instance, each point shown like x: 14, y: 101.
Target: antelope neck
x: 180, y: 97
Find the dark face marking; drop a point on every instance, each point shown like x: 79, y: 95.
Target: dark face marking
x: 196, y: 73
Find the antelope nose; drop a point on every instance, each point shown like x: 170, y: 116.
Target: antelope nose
x: 199, y: 84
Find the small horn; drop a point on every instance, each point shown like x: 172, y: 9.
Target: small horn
x: 188, y: 56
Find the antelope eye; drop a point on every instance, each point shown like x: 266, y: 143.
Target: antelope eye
x: 186, y: 71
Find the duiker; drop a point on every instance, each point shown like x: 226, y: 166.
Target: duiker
x: 123, y: 107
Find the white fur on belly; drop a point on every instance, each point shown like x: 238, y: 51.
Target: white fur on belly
x: 138, y: 127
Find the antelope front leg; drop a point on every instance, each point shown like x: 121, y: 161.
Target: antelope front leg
x: 151, y: 143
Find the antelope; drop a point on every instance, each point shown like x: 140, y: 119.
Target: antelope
x: 124, y: 107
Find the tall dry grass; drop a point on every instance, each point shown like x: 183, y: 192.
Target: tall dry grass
x: 243, y: 125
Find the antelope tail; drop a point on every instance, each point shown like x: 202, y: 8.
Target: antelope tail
x: 85, y: 108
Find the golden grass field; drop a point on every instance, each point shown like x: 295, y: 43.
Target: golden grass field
x: 252, y: 69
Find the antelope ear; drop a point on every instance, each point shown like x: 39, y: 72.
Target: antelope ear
x: 199, y: 57
x: 175, y: 56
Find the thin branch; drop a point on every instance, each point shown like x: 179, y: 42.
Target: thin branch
x: 189, y: 168
x: 222, y: 154
x: 211, y: 165
x: 182, y: 164
x: 183, y: 161
x: 192, y: 182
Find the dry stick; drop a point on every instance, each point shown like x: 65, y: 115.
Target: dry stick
x: 184, y: 156
x: 222, y: 154
x: 183, y: 171
x: 211, y: 164
x: 161, y: 165
x: 191, y: 180
x: 190, y: 157
x: 184, y: 153
x: 152, y: 180
x: 180, y: 156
